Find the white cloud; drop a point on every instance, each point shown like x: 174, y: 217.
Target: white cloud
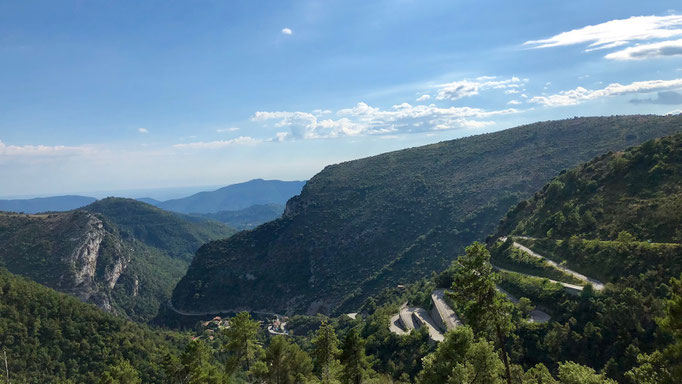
x: 424, y: 97
x: 143, y: 130
x: 514, y: 102
x: 287, y: 31
x: 580, y: 94
x: 41, y: 150
x: 241, y: 140
x: 648, y: 51
x: 364, y: 119
x: 616, y: 33
x: 229, y: 129
x: 465, y: 88
x: 675, y: 112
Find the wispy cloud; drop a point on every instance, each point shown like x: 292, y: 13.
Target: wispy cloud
x: 665, y: 98
x: 224, y: 130
x: 241, y: 140
x: 615, y: 33
x: 364, y: 119
x: 648, y: 51
x: 287, y: 31
x: 143, y: 130
x: 465, y: 88
x: 580, y: 94
x: 42, y: 150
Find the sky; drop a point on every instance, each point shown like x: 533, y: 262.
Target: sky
x: 130, y: 95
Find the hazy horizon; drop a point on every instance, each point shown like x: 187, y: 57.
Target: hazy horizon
x: 128, y: 95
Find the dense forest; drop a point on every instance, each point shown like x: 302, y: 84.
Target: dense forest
x: 581, y: 283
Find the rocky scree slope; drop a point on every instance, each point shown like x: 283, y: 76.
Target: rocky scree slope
x: 363, y: 225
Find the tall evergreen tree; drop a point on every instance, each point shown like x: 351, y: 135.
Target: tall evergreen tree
x: 286, y: 363
x: 326, y: 352
x: 195, y: 366
x: 462, y: 359
x: 353, y: 358
x: 242, y: 343
x: 484, y: 309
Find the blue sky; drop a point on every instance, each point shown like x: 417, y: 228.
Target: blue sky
x: 114, y: 95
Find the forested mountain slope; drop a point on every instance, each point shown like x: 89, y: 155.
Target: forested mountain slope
x: 616, y: 216
x: 50, y: 337
x: 120, y: 254
x: 179, y: 235
x: 367, y: 224
x: 616, y: 219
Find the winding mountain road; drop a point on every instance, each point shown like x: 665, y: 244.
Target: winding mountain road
x: 185, y: 313
x: 440, y: 320
x: 571, y: 287
x: 598, y: 285
x: 536, y: 315
x: 444, y: 313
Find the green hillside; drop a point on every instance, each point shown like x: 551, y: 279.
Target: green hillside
x: 120, y: 254
x: 177, y: 234
x: 616, y: 220
x: 615, y: 216
x: 50, y: 337
x: 364, y: 225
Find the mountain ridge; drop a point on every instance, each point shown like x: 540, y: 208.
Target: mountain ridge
x: 235, y: 197
x: 46, y: 204
x: 442, y: 197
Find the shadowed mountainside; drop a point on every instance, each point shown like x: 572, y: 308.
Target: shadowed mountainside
x: 367, y: 224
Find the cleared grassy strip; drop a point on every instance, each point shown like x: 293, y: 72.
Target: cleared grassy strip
x: 612, y: 260
x: 513, y: 259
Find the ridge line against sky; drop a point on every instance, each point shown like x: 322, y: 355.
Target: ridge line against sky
x: 157, y: 104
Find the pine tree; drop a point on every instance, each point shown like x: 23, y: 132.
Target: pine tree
x: 326, y: 352
x: 242, y: 343
x: 474, y: 292
x: 353, y: 358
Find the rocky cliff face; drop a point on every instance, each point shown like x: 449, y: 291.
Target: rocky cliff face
x: 81, y: 278
x: 122, y: 255
x: 66, y: 251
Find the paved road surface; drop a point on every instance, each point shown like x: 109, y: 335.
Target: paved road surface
x: 572, y: 287
x: 409, y: 318
x: 447, y: 315
x: 422, y: 319
x: 598, y: 285
x: 536, y: 315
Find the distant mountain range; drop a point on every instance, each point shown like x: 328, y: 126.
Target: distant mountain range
x: 241, y: 206
x: 234, y: 197
x: 45, y: 204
